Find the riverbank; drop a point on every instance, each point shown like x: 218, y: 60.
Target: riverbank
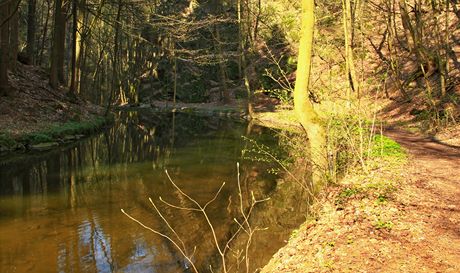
x: 39, y: 117
x: 397, y: 213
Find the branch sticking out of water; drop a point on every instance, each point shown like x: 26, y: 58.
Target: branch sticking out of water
x: 242, y: 226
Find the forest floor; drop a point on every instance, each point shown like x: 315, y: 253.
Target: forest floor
x: 401, y: 215
x: 36, y: 111
x: 412, y: 227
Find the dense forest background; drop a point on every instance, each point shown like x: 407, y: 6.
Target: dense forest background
x: 124, y: 51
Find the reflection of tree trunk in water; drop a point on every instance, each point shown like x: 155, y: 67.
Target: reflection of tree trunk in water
x: 101, y: 240
x: 79, y: 158
x: 27, y: 182
x: 173, y: 130
x: 72, y: 178
x: 42, y: 176
x: 92, y: 240
x: 93, y: 160
x: 54, y: 172
x: 109, y: 155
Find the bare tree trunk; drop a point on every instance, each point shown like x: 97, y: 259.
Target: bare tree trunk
x: 57, y: 51
x: 14, y: 32
x: 4, y: 55
x: 45, y: 33
x: 115, y: 58
x: 353, y: 84
x: 225, y: 94
x: 31, y: 30
x: 303, y: 107
x: 393, y: 58
x: 75, y: 44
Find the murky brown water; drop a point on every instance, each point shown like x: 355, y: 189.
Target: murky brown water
x: 60, y: 210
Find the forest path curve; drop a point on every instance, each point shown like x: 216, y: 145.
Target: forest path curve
x: 431, y: 202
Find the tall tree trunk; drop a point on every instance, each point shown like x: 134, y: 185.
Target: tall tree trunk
x: 75, y: 45
x: 115, y: 88
x: 4, y: 55
x: 415, y: 32
x: 57, y: 51
x: 31, y: 30
x: 45, y: 32
x: 14, y: 32
x: 225, y: 94
x: 348, y: 27
x: 407, y: 26
x: 302, y: 105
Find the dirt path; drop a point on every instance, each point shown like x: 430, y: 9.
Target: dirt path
x: 416, y: 229
x: 430, y: 201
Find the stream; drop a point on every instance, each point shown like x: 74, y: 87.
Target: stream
x: 60, y: 209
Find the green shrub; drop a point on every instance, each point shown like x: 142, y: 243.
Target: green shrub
x: 35, y: 138
x: 6, y: 140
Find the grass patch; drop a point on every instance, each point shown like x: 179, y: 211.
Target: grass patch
x: 57, y: 131
x: 380, y: 224
x: 386, y: 147
x: 73, y: 127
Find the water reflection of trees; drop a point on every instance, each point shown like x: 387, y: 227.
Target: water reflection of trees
x: 134, y: 138
x: 77, y: 191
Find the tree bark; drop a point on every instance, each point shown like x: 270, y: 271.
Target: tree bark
x: 302, y: 105
x: 45, y: 33
x: 115, y: 58
x: 75, y: 44
x: 348, y: 27
x: 31, y: 30
x: 14, y: 32
x: 57, y: 51
x: 4, y: 55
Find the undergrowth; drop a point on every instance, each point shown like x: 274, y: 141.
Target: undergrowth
x: 57, y: 131
x: 6, y: 140
x: 54, y: 132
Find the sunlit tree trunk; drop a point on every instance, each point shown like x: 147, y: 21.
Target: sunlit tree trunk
x: 302, y: 105
x: 243, y: 57
x: 393, y: 58
x: 75, y: 49
x: 115, y: 88
x: 348, y: 27
x: 415, y: 31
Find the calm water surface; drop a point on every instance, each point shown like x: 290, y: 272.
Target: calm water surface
x: 60, y: 210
